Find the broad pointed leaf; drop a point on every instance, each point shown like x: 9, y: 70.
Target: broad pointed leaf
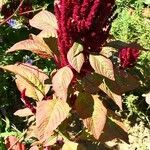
x: 124, y: 82
x: 75, y: 56
x: 61, y: 81
x: 35, y: 45
x: 45, y: 21
x: 94, y: 83
x: 102, y: 66
x: 92, y: 110
x: 30, y: 78
x: 84, y: 105
x: 114, y: 128
x: 115, y: 97
x: 49, y: 116
x: 91, y: 83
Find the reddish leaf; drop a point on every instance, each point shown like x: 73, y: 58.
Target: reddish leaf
x: 75, y: 56
x: 124, y: 82
x: 49, y: 116
x: 91, y: 83
x: 114, y: 128
x: 45, y: 21
x: 12, y: 143
x: 84, y: 105
x: 35, y: 45
x: 115, y: 97
x: 61, y: 81
x: 92, y: 110
x: 30, y: 78
x: 34, y: 148
x: 102, y: 66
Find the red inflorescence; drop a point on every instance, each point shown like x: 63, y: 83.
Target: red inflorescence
x: 85, y: 21
x: 128, y: 56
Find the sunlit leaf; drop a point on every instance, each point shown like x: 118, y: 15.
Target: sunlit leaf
x: 102, y: 66
x: 95, y: 124
x: 75, y: 56
x: 61, y: 81
x: 147, y: 98
x: 30, y: 78
x: 23, y: 112
x: 72, y: 146
x: 49, y: 116
x: 45, y: 21
x: 35, y: 45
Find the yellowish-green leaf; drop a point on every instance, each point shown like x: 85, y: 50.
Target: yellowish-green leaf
x: 35, y: 45
x: 102, y: 66
x: 45, y: 21
x: 75, y: 56
x: 61, y: 81
x: 72, y: 146
x: 49, y: 116
x: 30, y: 78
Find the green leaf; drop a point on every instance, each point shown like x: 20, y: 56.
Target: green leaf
x: 30, y: 78
x: 102, y: 66
x: 61, y: 81
x: 75, y: 56
x: 49, y: 116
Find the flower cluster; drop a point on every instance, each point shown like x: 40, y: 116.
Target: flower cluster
x: 85, y: 21
x: 128, y: 56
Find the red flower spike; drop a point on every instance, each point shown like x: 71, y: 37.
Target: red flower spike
x: 128, y: 56
x: 87, y: 21
x: 26, y: 102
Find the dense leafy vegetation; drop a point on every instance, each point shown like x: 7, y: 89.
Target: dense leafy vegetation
x: 70, y: 95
